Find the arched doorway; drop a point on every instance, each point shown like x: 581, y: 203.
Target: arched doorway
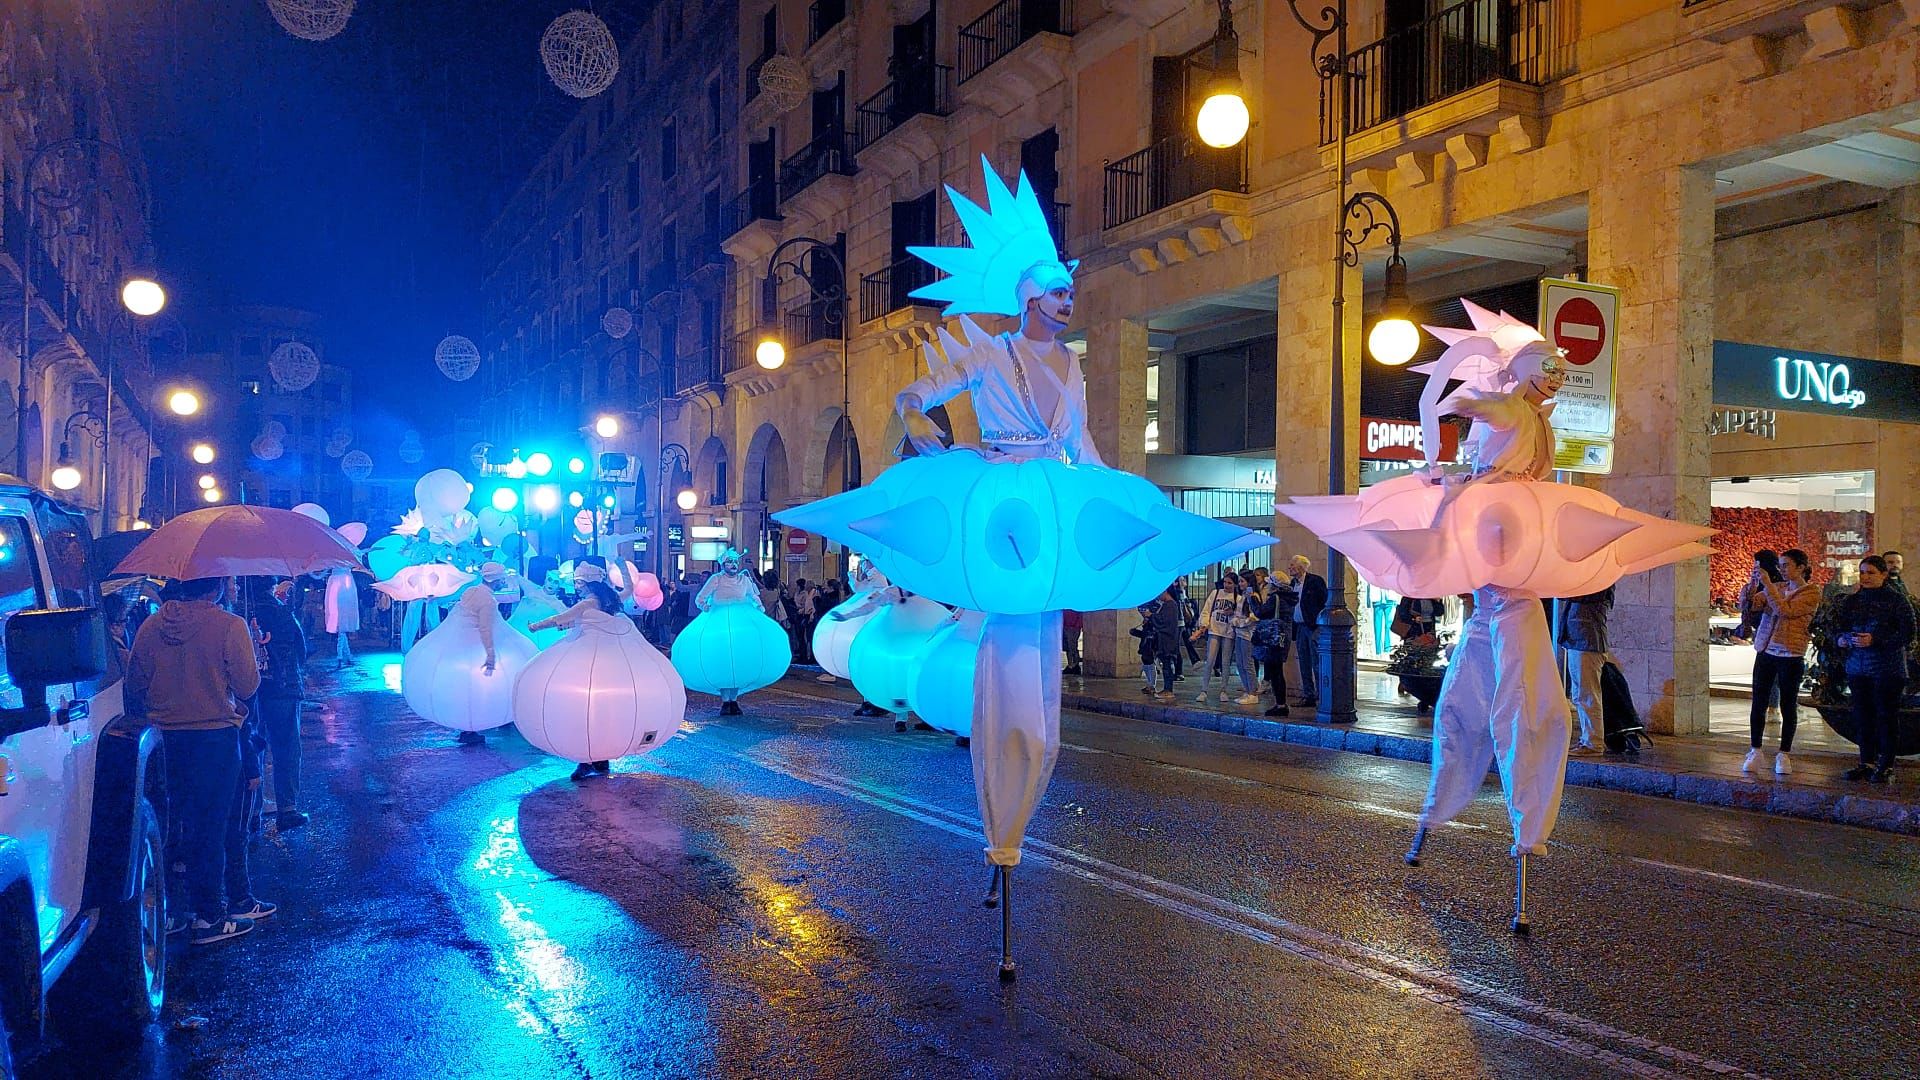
x: 765, y: 489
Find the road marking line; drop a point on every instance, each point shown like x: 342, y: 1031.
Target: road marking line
x: 1736, y: 879
x: 1433, y: 985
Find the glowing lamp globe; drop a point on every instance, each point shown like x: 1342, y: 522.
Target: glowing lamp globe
x: 143, y: 296
x: 686, y: 500
x: 444, y: 676
x: 546, y: 498
x: 66, y: 478
x: 1393, y: 341
x: 577, y: 466
x: 1223, y: 120
x: 601, y: 693
x: 504, y: 499
x: 202, y: 454
x: 207, y: 482
x: 734, y: 647
x: 212, y: 495
x: 574, y: 498
x: 770, y: 354
x: 539, y: 464
x: 886, y: 654
x: 943, y: 679
x: 142, y: 524
x: 606, y: 427
x: 183, y: 402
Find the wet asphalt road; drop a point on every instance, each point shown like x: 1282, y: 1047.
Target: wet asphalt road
x: 796, y: 893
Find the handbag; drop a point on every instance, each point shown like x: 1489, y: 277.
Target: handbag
x: 1268, y: 636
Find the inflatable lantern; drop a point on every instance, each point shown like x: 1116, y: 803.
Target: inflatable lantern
x: 886, y: 654
x: 833, y: 636
x: 495, y: 526
x: 427, y: 581
x: 732, y: 650
x: 1019, y: 538
x: 534, y: 605
x: 601, y: 693
x: 942, y: 686
x: 444, y: 676
x: 441, y: 493
x: 385, y: 556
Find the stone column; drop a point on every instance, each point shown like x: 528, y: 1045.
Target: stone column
x: 1651, y: 235
x: 1116, y: 371
x: 1897, y: 464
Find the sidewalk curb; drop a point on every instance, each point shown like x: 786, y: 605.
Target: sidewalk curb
x: 1785, y: 799
x: 1644, y: 778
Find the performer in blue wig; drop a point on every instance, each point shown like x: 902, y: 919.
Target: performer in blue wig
x: 1024, y: 526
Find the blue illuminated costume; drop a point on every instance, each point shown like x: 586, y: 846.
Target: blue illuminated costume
x: 1026, y: 525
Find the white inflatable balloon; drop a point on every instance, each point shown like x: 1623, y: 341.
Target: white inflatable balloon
x: 314, y: 511
x: 833, y: 638
x: 886, y: 653
x: 943, y: 680
x: 444, y: 676
x: 496, y: 525
x: 441, y: 493
x: 734, y: 647
x: 601, y: 693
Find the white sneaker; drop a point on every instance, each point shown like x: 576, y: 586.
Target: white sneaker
x: 825, y: 677
x: 1752, y: 759
x: 1201, y: 697
x: 1247, y: 699
x: 1224, y: 698
x: 1782, y: 764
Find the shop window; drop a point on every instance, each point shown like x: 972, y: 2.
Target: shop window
x: 1230, y: 398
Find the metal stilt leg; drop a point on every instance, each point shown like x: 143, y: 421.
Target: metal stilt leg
x: 1006, y: 924
x: 992, y: 898
x: 1419, y: 841
x: 1520, y: 925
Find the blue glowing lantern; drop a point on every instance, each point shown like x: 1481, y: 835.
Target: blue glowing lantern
x: 887, y: 650
x: 943, y: 679
x: 732, y: 648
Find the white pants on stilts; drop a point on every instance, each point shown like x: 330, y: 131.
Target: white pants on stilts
x: 1016, y: 725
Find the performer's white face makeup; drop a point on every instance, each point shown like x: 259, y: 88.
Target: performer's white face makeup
x: 1543, y: 373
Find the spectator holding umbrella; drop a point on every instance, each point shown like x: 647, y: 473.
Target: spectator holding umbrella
x: 1874, y: 625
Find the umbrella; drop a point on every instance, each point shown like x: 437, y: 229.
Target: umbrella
x: 239, y: 541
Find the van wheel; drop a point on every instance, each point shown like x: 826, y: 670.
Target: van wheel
x: 120, y: 976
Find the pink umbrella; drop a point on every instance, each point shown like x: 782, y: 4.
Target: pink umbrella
x: 239, y: 541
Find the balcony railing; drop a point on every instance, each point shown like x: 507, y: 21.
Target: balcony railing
x: 1175, y: 168
x: 753, y: 76
x: 927, y: 90
x: 888, y: 290
x: 1056, y: 214
x: 830, y: 152
x: 816, y: 320
x: 703, y: 367
x: 1450, y: 52
x: 1005, y: 27
x: 759, y: 202
x: 823, y: 16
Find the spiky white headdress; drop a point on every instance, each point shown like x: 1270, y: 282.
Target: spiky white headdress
x: 1480, y: 359
x: 1008, y: 244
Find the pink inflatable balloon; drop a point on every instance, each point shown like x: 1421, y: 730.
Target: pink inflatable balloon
x: 646, y: 590
x: 355, y: 532
x: 602, y: 692
x: 424, y: 582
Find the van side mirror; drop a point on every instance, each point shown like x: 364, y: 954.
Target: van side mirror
x: 55, y: 645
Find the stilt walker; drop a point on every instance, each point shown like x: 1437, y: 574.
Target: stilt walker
x: 1027, y: 524
x: 1495, y: 528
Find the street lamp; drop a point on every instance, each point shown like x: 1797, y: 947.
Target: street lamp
x: 1223, y: 118
x: 832, y: 295
x: 183, y: 403
x: 66, y: 476
x: 1394, y: 338
x: 675, y: 460
x: 607, y: 426
x: 212, y: 495
x: 687, y: 499
x: 202, y: 454
x: 143, y: 296
x: 207, y: 482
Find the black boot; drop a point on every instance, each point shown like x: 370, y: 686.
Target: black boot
x: 471, y: 738
x: 581, y: 771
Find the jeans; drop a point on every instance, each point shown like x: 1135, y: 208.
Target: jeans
x: 280, y: 716
x: 1303, y: 639
x: 1776, y: 678
x: 1876, y: 709
x: 1243, y: 659
x: 203, y: 777
x: 1166, y: 671
x: 1070, y: 644
x: 1585, y: 668
x: 1218, y: 650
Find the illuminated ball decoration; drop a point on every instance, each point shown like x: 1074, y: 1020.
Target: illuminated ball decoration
x: 411, y: 448
x: 268, y: 447
x: 457, y: 357
x: 580, y: 54
x: 733, y: 648
x: 617, y: 322
x: 275, y: 429
x: 311, y: 20
x: 294, y: 366
x: 441, y: 492
x: 477, y: 455
x: 784, y: 83
x: 600, y: 693
x: 357, y: 465
x: 338, y: 442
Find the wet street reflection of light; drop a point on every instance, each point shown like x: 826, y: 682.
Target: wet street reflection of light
x: 390, y: 675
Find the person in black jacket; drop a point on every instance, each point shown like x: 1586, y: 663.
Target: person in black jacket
x: 1311, y: 590
x: 282, y: 683
x: 1874, y: 626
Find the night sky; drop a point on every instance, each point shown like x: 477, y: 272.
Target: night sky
x: 352, y: 177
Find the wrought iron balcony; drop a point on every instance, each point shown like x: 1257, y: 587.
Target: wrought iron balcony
x: 830, y: 152
x: 817, y: 320
x: 753, y: 76
x: 1005, y: 27
x: 888, y: 290
x: 927, y: 89
x: 759, y: 202
x: 1169, y: 171
x: 1450, y: 52
x: 822, y: 16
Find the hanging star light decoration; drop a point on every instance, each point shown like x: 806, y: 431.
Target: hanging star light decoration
x: 311, y: 20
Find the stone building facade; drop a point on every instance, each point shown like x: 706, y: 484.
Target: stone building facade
x: 1740, y: 170
x: 89, y: 231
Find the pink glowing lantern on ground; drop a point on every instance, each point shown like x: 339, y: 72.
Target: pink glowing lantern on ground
x: 603, y: 692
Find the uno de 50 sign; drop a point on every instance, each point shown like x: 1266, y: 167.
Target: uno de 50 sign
x: 1796, y: 381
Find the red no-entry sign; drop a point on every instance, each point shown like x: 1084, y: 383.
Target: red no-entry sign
x: 1581, y: 330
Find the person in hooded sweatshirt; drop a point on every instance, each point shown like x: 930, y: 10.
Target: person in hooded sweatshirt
x: 192, y: 665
